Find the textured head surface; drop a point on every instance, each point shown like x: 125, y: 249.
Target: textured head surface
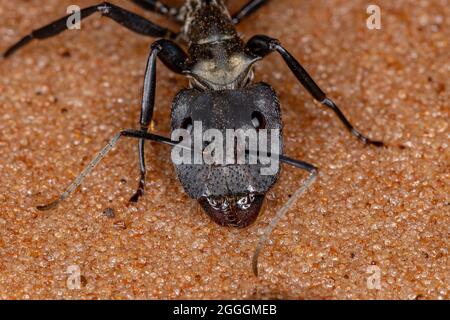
x: 222, y: 110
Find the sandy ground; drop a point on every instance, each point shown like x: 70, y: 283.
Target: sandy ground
x: 373, y: 213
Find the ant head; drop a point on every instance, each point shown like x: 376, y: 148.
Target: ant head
x: 232, y: 190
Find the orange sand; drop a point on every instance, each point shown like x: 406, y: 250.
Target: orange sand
x: 62, y: 99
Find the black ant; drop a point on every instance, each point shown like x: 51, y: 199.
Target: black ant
x: 219, y: 66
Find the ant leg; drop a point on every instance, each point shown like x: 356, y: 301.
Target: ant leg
x: 251, y: 7
x: 99, y: 157
x: 263, y: 45
x: 126, y: 18
x: 282, y: 212
x: 158, y: 7
x: 175, y: 59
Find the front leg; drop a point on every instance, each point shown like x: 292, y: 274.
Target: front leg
x: 175, y: 59
x: 263, y: 45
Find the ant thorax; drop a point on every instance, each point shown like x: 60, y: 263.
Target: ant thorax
x: 217, y: 57
x: 219, y: 66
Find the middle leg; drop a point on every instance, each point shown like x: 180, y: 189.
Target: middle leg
x: 263, y: 45
x: 126, y: 18
x: 248, y: 9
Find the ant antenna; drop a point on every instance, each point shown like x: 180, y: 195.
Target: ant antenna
x: 280, y: 214
x: 71, y: 188
x: 99, y: 157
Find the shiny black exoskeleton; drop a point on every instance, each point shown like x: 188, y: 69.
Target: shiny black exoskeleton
x: 221, y: 95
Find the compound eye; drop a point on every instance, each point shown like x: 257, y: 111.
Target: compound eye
x: 187, y: 124
x: 258, y: 120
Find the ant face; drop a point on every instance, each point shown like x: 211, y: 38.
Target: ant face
x: 230, y: 192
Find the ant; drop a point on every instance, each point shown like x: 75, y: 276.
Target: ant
x: 219, y: 65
